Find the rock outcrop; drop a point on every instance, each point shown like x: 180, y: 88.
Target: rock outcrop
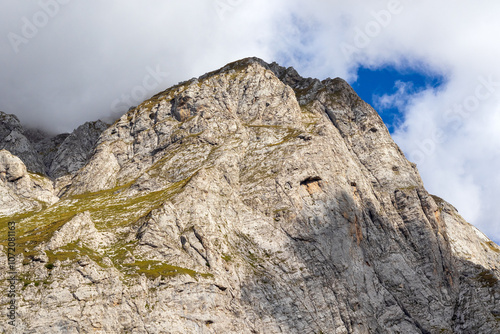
x: 20, y: 190
x: 13, y: 139
x: 48, y: 147
x: 75, y: 150
x: 54, y: 156
x: 252, y: 200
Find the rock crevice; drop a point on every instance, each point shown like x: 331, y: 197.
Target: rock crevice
x: 248, y: 200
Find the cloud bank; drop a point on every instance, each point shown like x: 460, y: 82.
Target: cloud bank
x: 68, y: 61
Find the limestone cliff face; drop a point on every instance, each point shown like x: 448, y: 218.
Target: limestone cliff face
x: 22, y: 191
x: 75, y: 150
x: 252, y: 200
x: 54, y: 156
x: 13, y: 139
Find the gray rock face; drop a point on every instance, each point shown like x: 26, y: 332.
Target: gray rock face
x: 13, y: 139
x: 75, y: 150
x: 20, y: 190
x: 42, y: 153
x: 47, y: 147
x: 252, y: 200
x: 11, y: 167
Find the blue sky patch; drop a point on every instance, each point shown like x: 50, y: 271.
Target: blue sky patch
x: 375, y: 83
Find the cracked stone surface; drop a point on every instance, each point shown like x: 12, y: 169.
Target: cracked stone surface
x: 14, y: 140
x: 54, y: 156
x: 249, y: 200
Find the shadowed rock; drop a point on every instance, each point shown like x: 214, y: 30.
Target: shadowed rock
x: 252, y: 200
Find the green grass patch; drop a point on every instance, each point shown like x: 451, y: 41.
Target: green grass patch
x: 263, y: 126
x: 108, y: 209
x: 226, y: 257
x: 409, y: 188
x: 487, y: 279
x: 292, y: 134
x: 438, y: 200
x: 27, y: 281
x: 74, y: 251
x: 155, y: 269
x: 491, y: 245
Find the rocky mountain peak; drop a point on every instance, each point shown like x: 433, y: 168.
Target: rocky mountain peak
x: 73, y: 150
x: 13, y: 139
x: 9, y: 122
x: 248, y: 200
x: 42, y: 153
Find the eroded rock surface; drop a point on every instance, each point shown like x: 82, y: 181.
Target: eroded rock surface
x: 20, y: 190
x: 13, y: 139
x: 42, y: 153
x: 75, y: 150
x: 252, y: 200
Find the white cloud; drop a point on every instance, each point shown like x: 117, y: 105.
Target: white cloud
x: 398, y: 99
x: 453, y: 132
x: 91, y: 52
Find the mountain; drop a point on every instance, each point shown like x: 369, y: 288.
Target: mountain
x: 71, y: 152
x: 13, y: 139
x: 52, y: 156
x: 248, y: 200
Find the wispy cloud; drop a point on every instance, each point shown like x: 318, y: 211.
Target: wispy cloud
x: 91, y: 52
x: 399, y: 99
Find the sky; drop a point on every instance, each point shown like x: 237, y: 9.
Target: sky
x: 378, y: 87
x: 429, y: 68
